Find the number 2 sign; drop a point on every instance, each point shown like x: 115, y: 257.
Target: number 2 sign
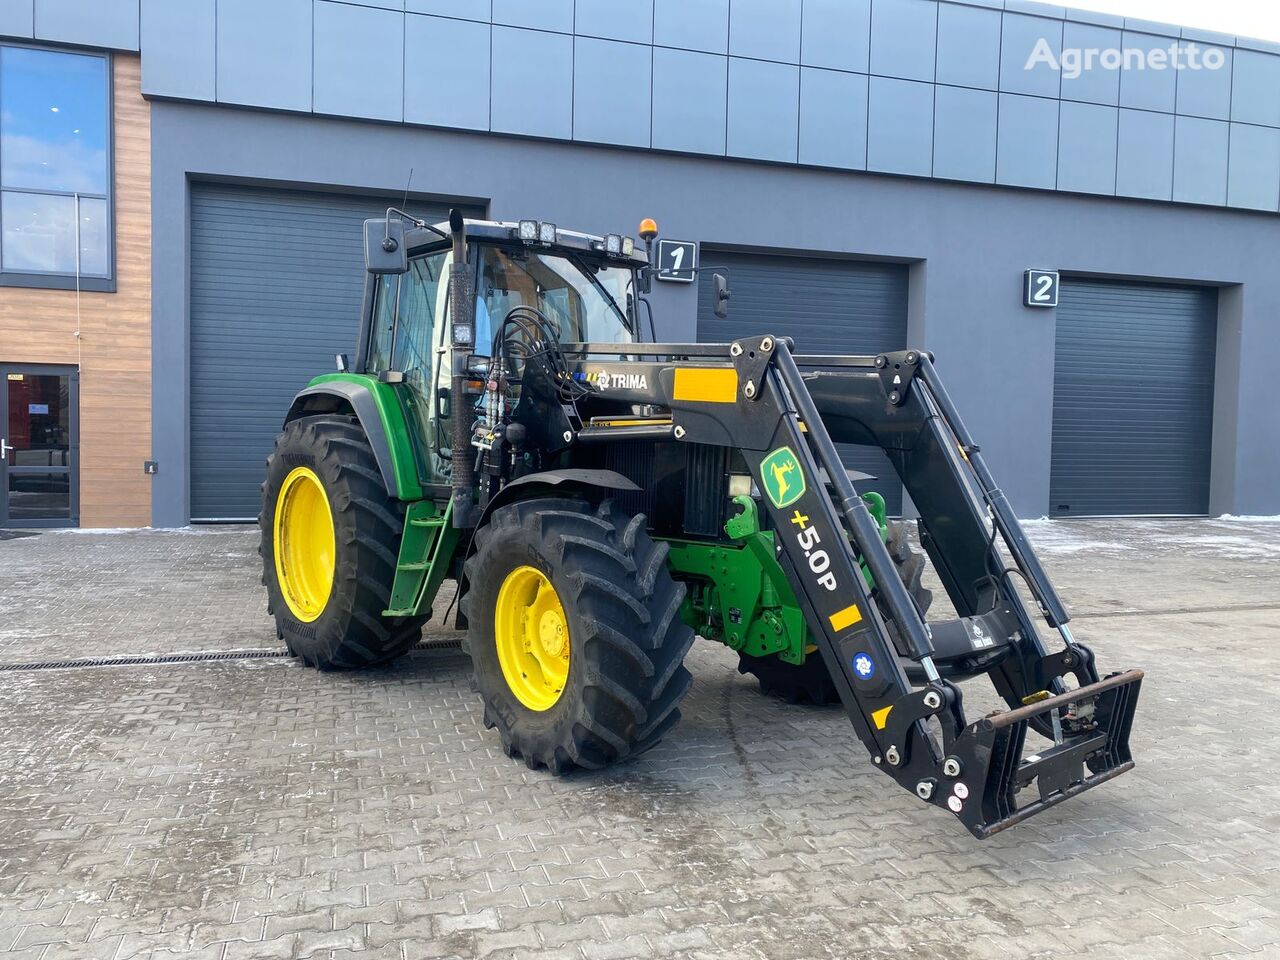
x: 677, y: 260
x: 1041, y: 288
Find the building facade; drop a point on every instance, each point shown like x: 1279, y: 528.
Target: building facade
x: 871, y: 174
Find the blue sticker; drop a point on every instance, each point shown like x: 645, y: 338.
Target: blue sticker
x: 864, y: 666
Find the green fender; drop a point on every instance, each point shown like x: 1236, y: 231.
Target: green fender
x: 381, y: 413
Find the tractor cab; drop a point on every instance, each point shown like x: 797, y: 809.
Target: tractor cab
x: 587, y: 287
x: 526, y: 280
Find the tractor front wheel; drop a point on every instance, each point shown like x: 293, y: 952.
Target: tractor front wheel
x: 574, y: 633
x: 330, y: 535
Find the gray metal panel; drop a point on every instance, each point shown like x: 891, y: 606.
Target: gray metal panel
x: 276, y: 282
x: 833, y: 118
x: 605, y: 111
x: 359, y: 61
x: 1200, y: 160
x: 1019, y: 40
x: 461, y: 9
x: 836, y: 34
x: 519, y: 55
x: 968, y: 46
x: 1147, y: 89
x: 1027, y: 152
x: 827, y: 306
x: 964, y: 134
x: 1133, y: 399
x: 689, y: 92
x: 1095, y: 84
x: 264, y: 53
x: 764, y: 100
x: 903, y: 39
x: 1255, y: 80
x: 17, y: 18
x: 540, y: 14
x: 458, y: 48
x: 1251, y: 176
x: 1087, y: 148
x: 632, y: 21
x: 1144, y: 160
x: 900, y: 127
x: 765, y: 29
x: 178, y: 49
x: 92, y: 23
x: 692, y: 24
x: 1204, y: 92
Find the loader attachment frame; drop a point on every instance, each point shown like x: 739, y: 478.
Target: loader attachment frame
x: 785, y: 414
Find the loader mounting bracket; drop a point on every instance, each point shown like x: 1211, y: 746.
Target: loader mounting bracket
x: 751, y: 358
x: 897, y: 370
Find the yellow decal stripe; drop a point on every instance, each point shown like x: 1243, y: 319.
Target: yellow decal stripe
x: 881, y: 716
x: 845, y: 618
x: 705, y: 385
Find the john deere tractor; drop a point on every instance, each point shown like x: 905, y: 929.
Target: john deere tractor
x: 599, y: 500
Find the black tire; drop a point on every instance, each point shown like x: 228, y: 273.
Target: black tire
x: 910, y: 562
x: 627, y: 642
x: 810, y: 683
x: 351, y: 632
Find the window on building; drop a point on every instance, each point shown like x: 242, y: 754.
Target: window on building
x: 55, y: 150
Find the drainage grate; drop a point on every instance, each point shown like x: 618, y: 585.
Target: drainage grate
x: 162, y: 659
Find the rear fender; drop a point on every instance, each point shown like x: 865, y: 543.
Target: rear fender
x: 382, y: 417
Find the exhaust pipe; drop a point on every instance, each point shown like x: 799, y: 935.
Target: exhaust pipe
x: 463, y: 314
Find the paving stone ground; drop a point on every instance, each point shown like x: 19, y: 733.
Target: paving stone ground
x: 256, y: 809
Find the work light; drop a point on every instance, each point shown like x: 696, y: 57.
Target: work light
x: 547, y: 232
x: 528, y: 230
x: 613, y: 245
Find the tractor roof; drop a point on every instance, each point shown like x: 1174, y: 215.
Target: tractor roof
x: 509, y: 232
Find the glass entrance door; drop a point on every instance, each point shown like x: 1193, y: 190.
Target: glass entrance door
x: 39, y: 446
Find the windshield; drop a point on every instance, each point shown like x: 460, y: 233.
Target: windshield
x: 583, y: 302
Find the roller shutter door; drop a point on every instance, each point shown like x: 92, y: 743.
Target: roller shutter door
x: 827, y: 306
x: 277, y: 279
x: 1133, y: 399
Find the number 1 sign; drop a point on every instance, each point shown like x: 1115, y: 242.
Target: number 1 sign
x: 677, y: 260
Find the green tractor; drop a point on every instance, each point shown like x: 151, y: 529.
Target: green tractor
x: 600, y: 500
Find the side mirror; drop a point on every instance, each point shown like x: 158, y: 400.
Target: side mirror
x: 385, y: 250
x: 723, y: 293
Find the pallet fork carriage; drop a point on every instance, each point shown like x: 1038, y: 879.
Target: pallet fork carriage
x: 620, y: 494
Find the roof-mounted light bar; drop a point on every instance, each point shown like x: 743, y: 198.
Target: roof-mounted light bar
x: 537, y: 231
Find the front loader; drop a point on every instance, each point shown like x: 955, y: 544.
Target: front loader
x: 599, y: 500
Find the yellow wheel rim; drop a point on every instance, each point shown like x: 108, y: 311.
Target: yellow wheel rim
x: 305, y: 544
x: 532, y: 635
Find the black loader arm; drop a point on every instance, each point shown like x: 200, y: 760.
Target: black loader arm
x: 784, y: 415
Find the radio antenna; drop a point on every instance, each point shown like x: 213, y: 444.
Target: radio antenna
x: 405, y: 201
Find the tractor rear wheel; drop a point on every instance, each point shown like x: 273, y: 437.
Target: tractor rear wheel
x: 574, y: 633
x: 330, y: 535
x: 810, y: 682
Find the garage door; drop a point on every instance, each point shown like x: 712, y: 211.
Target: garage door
x: 827, y: 306
x: 1133, y: 399
x: 276, y: 284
